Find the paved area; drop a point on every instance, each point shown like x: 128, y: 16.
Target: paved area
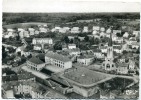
x: 54, y: 68
x: 36, y: 73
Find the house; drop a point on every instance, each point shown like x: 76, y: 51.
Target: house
x: 42, y: 41
x: 31, y: 31
x: 64, y: 30
x: 35, y: 63
x: 118, y: 40
x: 122, y: 68
x: 85, y: 29
x: 37, y: 32
x: 105, y: 94
x: 37, y: 47
x: 102, y: 29
x: 58, y: 60
x: 10, y: 30
x: 103, y: 49
x: 116, y: 31
x: 135, y: 45
x: 75, y: 30
x: 136, y: 33
x: 132, y: 64
x: 57, y: 29
x: 85, y: 59
x: 98, y: 53
x: 20, y: 29
x: 71, y: 37
x: 108, y: 31
x: 34, y: 89
x: 102, y: 34
x: 42, y: 30
x: 17, y: 59
x: 64, y: 47
x: 126, y: 34
x: 75, y: 51
x: 117, y: 48
x: 26, y: 34
x: 132, y: 40
x: 81, y: 38
x: 71, y: 46
x: 94, y: 32
x: 96, y: 28
x: 25, y: 52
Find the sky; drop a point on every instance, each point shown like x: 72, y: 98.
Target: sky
x: 69, y: 6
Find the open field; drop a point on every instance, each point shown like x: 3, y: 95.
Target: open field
x: 24, y: 25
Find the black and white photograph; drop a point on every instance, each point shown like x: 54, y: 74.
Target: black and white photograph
x: 70, y: 49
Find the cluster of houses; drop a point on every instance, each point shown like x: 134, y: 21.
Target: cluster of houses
x: 71, y: 54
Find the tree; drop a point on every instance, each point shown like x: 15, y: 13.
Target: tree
x: 118, y: 34
x: 18, y: 37
x: 86, y: 38
x: 66, y: 39
x: 124, y: 52
x: 71, y: 41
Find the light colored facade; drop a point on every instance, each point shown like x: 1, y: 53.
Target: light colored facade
x: 96, y: 28
x: 43, y: 30
x: 122, y: 68
x: 85, y: 60
x: 42, y: 41
x: 58, y: 60
x: 37, y: 47
x: 136, y: 33
x: 85, y: 29
x: 35, y: 64
x: 71, y: 46
x: 75, y: 30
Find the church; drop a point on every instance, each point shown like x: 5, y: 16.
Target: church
x: 108, y: 64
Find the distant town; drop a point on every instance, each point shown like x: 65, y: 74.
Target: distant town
x: 94, y: 58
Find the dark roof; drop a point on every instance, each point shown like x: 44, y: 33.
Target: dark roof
x: 35, y: 60
x: 57, y: 56
x: 121, y: 64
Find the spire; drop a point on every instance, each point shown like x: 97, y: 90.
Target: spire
x: 110, y: 41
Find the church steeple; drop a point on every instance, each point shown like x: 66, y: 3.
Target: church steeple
x: 110, y: 40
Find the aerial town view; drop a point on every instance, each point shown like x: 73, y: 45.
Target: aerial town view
x: 70, y: 55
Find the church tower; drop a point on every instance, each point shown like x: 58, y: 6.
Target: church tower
x: 109, y: 64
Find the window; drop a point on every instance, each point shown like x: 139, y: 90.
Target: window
x: 108, y: 66
x: 112, y: 65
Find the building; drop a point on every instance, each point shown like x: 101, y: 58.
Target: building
x: 42, y: 41
x: 64, y: 30
x: 75, y: 30
x: 132, y: 65
x: 135, y: 45
x: 85, y: 59
x: 35, y: 63
x: 98, y: 54
x: 122, y: 68
x: 102, y: 29
x: 108, y: 64
x: 136, y: 33
x: 125, y: 35
x: 85, y: 29
x: 117, y: 48
x: 116, y: 31
x: 58, y: 60
x: 37, y: 47
x: 42, y: 30
x: 96, y: 28
x: 71, y: 46
x: 17, y: 88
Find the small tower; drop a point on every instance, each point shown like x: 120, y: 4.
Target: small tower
x: 109, y: 64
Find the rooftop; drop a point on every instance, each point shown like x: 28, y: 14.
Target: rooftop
x: 122, y: 64
x: 57, y: 56
x: 35, y: 60
x: 85, y: 56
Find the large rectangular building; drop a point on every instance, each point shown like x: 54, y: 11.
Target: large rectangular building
x: 42, y: 41
x: 58, y: 60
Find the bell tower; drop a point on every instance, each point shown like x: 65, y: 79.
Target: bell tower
x: 109, y: 64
